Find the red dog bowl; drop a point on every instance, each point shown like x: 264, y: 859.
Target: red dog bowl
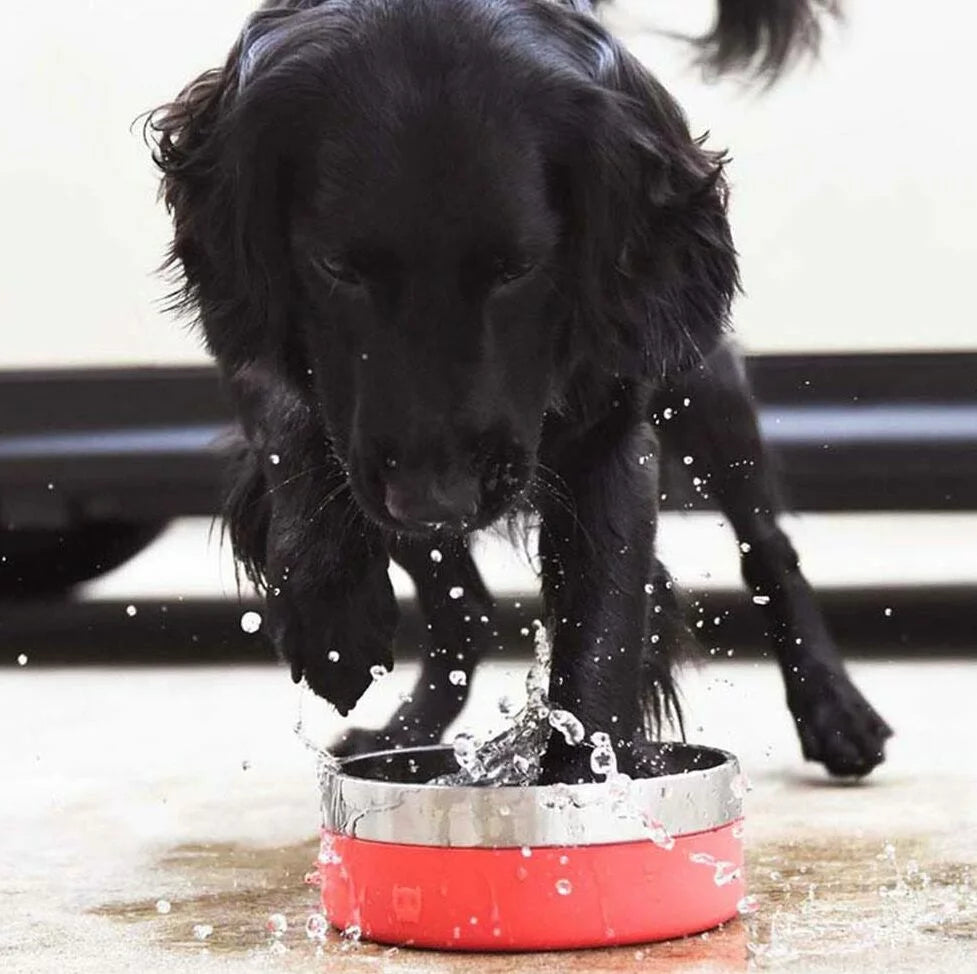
x: 530, y: 868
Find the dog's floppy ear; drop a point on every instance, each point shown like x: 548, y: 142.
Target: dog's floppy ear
x: 652, y: 258
x: 228, y: 245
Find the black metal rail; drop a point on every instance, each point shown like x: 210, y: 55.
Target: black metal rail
x: 851, y: 433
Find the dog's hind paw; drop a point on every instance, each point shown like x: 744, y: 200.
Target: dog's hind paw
x: 837, y: 726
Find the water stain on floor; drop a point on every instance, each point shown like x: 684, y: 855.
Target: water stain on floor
x: 842, y: 897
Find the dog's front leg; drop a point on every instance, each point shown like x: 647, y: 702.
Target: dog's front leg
x: 331, y: 611
x: 596, y: 550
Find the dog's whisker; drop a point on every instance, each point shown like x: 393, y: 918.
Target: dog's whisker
x: 328, y: 500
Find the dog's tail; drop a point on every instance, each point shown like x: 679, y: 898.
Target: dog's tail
x: 759, y: 37
x: 764, y: 37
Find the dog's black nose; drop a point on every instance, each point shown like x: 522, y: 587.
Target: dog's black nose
x: 414, y: 501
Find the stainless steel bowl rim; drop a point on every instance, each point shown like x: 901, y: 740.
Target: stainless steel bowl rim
x: 696, y: 800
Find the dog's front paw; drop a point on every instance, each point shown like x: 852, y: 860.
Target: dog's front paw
x: 836, y: 724
x: 334, y: 639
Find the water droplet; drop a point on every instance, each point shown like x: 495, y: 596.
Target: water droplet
x: 327, y: 852
x: 603, y: 761
x: 667, y: 412
x: 316, y: 927
x: 457, y: 678
x: 456, y: 591
x: 649, y: 588
x: 201, y: 931
x: 687, y: 461
x: 745, y: 547
x: 377, y: 671
x: 564, y: 887
x: 568, y: 725
x: 465, y: 748
x: 740, y: 786
x: 656, y: 833
x: 251, y: 622
x: 131, y: 610
x: 524, y: 631
x: 526, y: 852
x: 275, y: 459
x: 747, y: 905
x: 888, y: 611
x: 761, y: 599
x: 332, y: 656
x: 163, y: 907
x: 353, y: 933
x: 686, y: 402
x: 725, y: 872
x: 276, y: 924
x: 436, y: 556
x: 22, y: 659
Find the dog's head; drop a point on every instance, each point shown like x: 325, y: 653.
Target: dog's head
x: 431, y: 217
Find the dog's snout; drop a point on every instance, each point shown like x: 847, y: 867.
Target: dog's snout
x: 417, y: 501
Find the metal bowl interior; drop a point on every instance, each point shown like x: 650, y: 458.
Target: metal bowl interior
x: 387, y: 797
x: 419, y: 765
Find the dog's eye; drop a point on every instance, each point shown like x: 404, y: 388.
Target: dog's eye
x: 505, y: 270
x: 338, y: 269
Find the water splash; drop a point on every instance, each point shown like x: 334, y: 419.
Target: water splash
x: 514, y: 756
x: 568, y: 725
x: 725, y: 871
x: 316, y: 928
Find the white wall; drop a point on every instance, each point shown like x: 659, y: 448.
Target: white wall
x: 854, y: 182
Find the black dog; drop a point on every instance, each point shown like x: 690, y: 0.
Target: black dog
x: 451, y: 257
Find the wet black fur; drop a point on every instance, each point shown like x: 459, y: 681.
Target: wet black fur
x: 470, y: 248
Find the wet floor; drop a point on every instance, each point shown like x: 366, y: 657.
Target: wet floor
x: 131, y: 787
x: 828, y: 899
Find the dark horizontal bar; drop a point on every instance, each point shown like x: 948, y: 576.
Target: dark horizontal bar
x: 850, y: 432
x: 781, y: 426
x: 930, y: 621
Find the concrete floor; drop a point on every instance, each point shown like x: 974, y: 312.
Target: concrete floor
x: 125, y: 786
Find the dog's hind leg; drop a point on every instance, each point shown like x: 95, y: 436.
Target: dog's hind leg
x: 718, y: 430
x: 458, y: 610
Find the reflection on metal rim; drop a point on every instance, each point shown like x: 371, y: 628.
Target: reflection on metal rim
x: 403, y: 809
